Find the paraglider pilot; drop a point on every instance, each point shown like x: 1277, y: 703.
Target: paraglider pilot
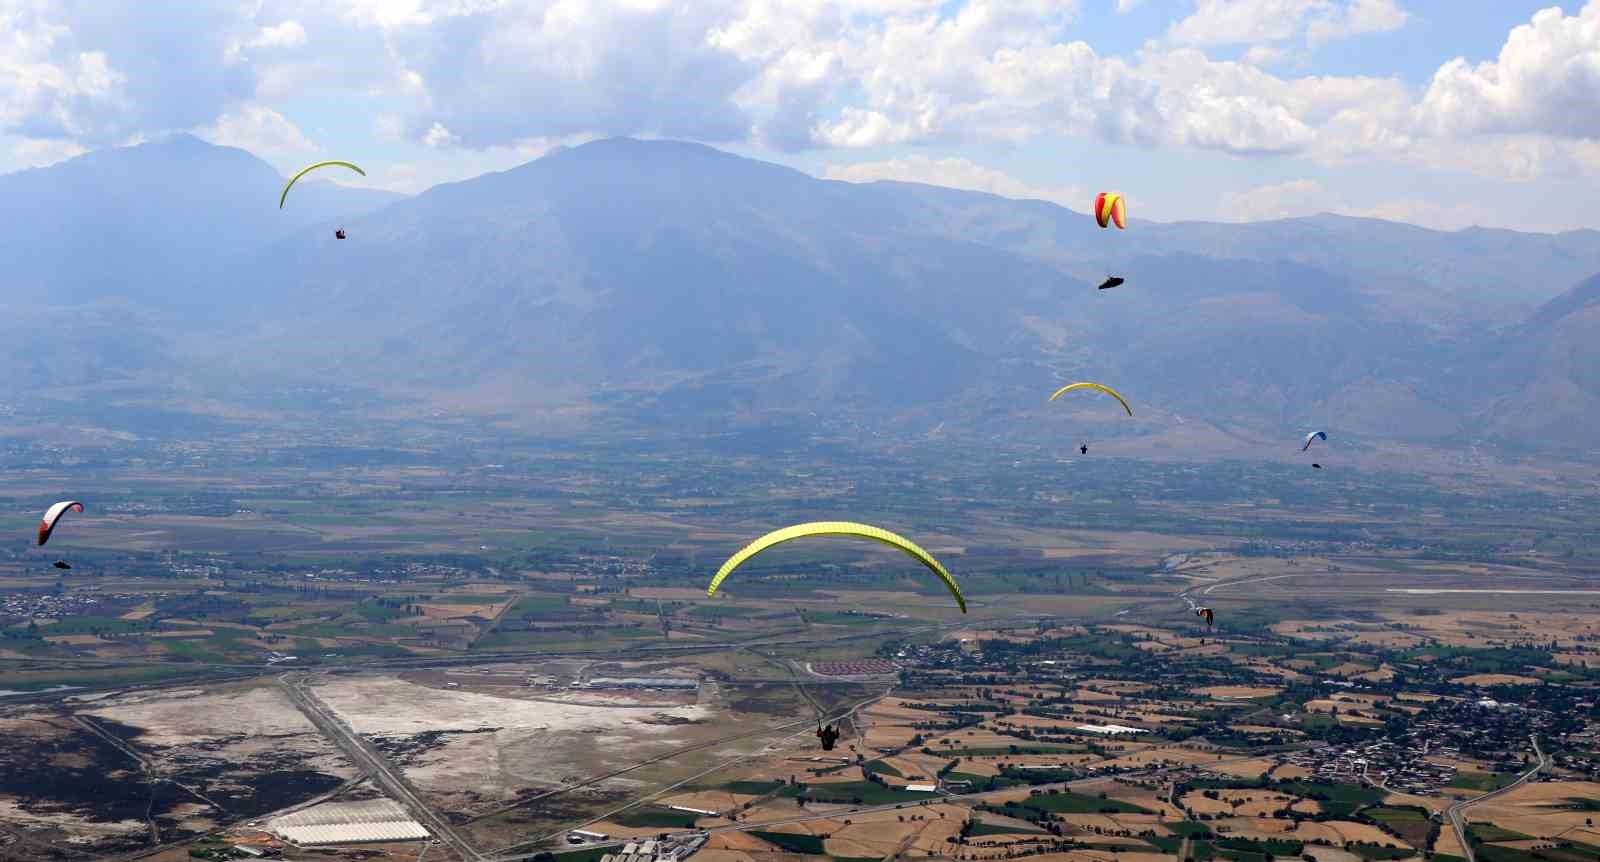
x: 1084, y: 449
x: 829, y: 735
x: 338, y: 234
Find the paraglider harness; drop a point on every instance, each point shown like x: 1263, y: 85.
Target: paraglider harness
x: 829, y: 735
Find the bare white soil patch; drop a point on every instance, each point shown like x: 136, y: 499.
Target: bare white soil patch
x: 468, y: 750
x: 385, y: 705
x: 180, y: 718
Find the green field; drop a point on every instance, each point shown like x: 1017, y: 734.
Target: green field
x: 1340, y: 800
x: 1490, y: 832
x: 602, y: 638
x: 376, y: 613
x: 1484, y: 781
x: 861, y: 793
x: 732, y: 612
x: 91, y: 625
x: 1276, y: 848
x: 983, y: 782
x: 984, y: 828
x: 810, y: 845
x: 467, y: 599
x: 1375, y: 852
x: 40, y: 680
x: 1412, y: 824
x: 654, y: 818
x: 878, y: 767
x: 1566, y: 851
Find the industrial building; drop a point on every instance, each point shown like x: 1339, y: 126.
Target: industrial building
x: 348, y: 823
x: 670, y: 850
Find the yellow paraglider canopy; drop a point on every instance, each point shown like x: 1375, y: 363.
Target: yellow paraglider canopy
x: 308, y: 169
x: 1097, y: 387
x: 837, y: 528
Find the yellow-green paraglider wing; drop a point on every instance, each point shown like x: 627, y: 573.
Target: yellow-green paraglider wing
x: 308, y: 169
x: 837, y: 528
x: 1098, y: 388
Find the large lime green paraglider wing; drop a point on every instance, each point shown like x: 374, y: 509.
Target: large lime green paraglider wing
x: 837, y: 528
x: 1097, y: 387
x: 308, y: 169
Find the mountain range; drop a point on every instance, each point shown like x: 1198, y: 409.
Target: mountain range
x: 627, y: 287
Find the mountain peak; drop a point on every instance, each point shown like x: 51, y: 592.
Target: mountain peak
x: 682, y: 157
x: 180, y: 151
x: 641, y: 147
x: 182, y: 203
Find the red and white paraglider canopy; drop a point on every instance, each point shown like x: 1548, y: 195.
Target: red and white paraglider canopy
x: 53, y: 514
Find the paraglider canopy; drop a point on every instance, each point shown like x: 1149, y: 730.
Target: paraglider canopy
x: 1098, y: 388
x: 1110, y: 282
x: 1314, y: 435
x: 1204, y: 613
x: 61, y: 564
x: 838, y: 528
x: 1109, y: 208
x: 308, y: 169
x: 53, y: 514
x: 1318, y: 466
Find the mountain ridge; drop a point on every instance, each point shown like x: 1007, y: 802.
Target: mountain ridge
x: 623, y: 285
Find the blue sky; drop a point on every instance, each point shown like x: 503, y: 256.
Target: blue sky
x: 1445, y: 113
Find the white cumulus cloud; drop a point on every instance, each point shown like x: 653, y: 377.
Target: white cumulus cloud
x: 259, y: 129
x: 438, y: 136
x: 1546, y: 79
x: 1292, y: 199
x: 99, y: 72
x: 287, y: 34
x: 37, y: 153
x: 480, y: 76
x: 1247, y: 22
x: 1354, y: 19
x: 1299, y: 198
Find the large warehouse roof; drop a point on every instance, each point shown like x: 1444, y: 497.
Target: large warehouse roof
x: 347, y: 823
x: 397, y: 830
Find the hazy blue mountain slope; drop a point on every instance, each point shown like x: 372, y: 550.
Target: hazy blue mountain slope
x: 1486, y: 269
x: 659, y: 287
x: 1542, y: 382
x: 160, y: 222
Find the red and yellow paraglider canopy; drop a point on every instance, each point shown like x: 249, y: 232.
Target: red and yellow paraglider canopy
x: 1108, y: 208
